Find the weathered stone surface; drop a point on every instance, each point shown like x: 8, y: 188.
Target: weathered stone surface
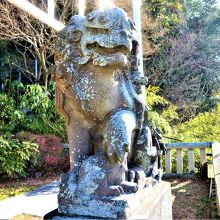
x: 113, y: 151
x: 148, y: 203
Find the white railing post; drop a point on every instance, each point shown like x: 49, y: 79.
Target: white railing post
x: 179, y: 161
x: 168, y: 161
x: 202, y: 155
x: 191, y: 161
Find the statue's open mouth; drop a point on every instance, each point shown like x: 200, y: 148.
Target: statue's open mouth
x: 96, y: 47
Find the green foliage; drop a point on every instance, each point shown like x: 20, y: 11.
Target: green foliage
x: 15, y: 155
x: 41, y: 114
x: 17, y: 88
x: 204, y: 127
x: 200, y: 12
x: 11, y: 118
x: 161, y: 112
x: 36, y: 99
x: 167, y: 12
x: 33, y: 111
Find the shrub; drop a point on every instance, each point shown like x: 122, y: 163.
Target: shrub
x: 161, y: 112
x: 41, y: 115
x: 11, y: 118
x: 51, y: 157
x: 203, y: 128
x: 16, y: 156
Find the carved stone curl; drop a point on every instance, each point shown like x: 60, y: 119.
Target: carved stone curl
x: 97, y: 87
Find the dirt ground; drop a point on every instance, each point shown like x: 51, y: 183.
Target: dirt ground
x: 190, y: 198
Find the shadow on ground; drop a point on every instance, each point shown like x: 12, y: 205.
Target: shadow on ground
x: 190, y: 197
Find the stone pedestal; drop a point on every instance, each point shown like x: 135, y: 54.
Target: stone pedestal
x: 157, y: 203
x: 149, y: 203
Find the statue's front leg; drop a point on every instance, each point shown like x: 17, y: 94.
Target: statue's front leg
x: 119, y: 135
x: 80, y: 146
x: 79, y: 149
x: 118, y: 140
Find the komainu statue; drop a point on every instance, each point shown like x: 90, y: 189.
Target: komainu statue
x: 112, y: 149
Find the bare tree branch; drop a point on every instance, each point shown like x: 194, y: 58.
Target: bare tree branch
x: 33, y: 39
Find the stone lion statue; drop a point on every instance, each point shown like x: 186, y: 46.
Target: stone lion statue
x: 97, y: 87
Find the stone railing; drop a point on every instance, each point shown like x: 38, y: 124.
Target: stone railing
x: 179, y: 155
x: 202, y: 146
x: 216, y: 166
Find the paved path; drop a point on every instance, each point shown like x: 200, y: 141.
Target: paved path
x: 37, y: 202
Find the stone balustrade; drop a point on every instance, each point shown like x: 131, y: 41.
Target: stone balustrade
x: 202, y: 146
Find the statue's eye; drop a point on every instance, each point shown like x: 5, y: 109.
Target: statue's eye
x: 91, y: 16
x: 102, y: 18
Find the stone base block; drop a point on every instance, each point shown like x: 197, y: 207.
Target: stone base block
x: 149, y: 203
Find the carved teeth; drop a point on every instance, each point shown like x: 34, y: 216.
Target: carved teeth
x: 96, y: 47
